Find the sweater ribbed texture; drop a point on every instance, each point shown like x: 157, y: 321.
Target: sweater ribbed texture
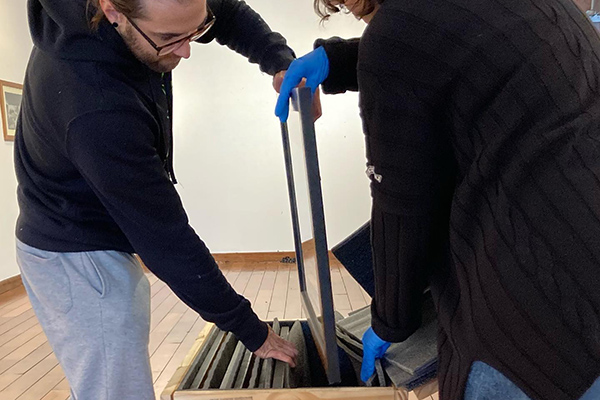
x: 483, y: 120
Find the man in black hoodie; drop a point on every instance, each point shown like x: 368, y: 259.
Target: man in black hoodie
x: 93, y: 157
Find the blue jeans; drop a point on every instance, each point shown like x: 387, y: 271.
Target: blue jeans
x: 486, y: 383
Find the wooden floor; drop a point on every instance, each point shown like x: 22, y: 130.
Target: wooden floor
x: 29, y: 370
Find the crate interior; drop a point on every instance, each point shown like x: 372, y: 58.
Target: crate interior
x: 223, y: 363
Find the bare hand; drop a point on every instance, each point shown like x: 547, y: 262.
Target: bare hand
x: 316, y: 104
x: 278, y: 348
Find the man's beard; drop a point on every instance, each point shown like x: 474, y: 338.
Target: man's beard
x: 156, y: 63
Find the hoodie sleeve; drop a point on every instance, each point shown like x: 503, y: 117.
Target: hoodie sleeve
x: 241, y: 29
x: 114, y: 151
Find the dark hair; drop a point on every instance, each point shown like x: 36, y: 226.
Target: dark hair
x: 324, y: 8
x: 130, y: 8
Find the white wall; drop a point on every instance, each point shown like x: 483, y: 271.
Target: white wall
x: 228, y: 154
x: 15, y: 45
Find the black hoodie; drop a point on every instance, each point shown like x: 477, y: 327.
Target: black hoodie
x: 93, y: 152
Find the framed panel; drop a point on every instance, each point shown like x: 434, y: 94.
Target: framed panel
x: 10, y: 101
x: 308, y: 222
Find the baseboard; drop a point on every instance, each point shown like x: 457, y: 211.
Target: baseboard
x: 275, y: 256
x: 253, y: 257
x: 10, y: 283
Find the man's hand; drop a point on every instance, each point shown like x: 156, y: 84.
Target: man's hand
x: 316, y: 104
x: 276, y: 347
x: 314, y: 67
x: 373, y: 348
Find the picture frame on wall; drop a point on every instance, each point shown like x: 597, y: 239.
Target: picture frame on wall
x: 10, y: 101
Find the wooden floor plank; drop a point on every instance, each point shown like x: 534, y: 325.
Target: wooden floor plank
x: 22, y: 352
x: 243, y: 277
x: 57, y: 395
x: 18, y: 311
x: 182, y: 328
x: 20, y: 338
x: 62, y: 385
x: 161, y: 311
x: 11, y: 296
x: 162, y: 329
x: 293, y: 306
x: 4, y: 321
x: 43, y: 386
x: 353, y: 290
x: 31, y: 360
x: 280, y: 292
x: 14, y: 305
x: 161, y: 379
x: 254, y: 282
x: 12, y: 331
x: 25, y: 381
x: 30, y: 371
x: 16, y: 322
x: 263, y: 298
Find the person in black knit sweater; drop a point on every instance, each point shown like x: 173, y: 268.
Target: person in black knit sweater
x: 482, y: 125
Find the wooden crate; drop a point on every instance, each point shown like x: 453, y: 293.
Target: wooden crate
x: 172, y: 392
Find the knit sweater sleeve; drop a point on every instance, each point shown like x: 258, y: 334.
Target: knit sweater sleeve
x: 409, y: 151
x: 242, y: 29
x: 343, y: 58
x: 114, y: 152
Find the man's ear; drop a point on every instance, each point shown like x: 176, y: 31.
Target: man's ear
x: 112, y: 15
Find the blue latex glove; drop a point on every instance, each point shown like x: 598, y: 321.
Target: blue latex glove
x: 373, y: 348
x: 313, y: 66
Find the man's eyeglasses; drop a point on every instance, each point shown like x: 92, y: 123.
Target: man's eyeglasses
x: 170, y: 47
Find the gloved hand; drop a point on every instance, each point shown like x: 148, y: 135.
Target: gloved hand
x: 373, y: 348
x: 313, y: 66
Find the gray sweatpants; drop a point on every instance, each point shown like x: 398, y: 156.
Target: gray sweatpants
x: 94, y: 307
